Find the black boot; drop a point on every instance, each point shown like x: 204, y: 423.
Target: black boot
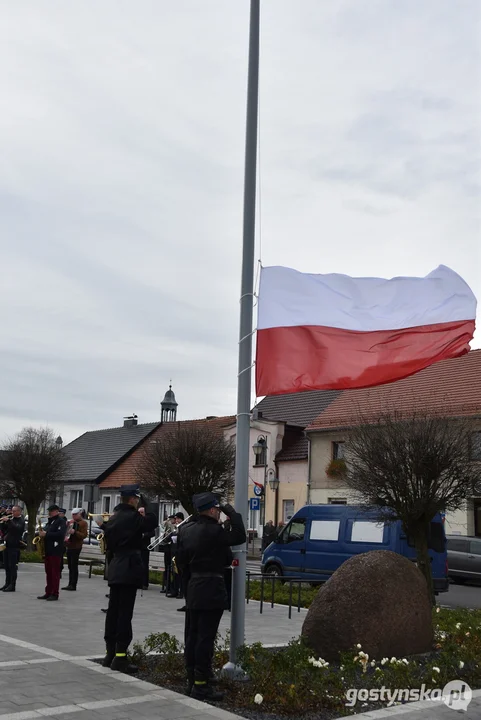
x: 122, y: 664
x: 190, y: 681
x: 69, y: 587
x: 10, y: 588
x: 109, y: 656
x: 5, y: 586
x: 204, y: 691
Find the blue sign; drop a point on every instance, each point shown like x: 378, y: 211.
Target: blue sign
x: 258, y: 490
x: 254, y: 503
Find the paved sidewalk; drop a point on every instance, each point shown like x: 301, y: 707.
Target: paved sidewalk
x: 45, y: 669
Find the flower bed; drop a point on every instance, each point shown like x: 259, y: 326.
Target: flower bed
x: 289, y: 682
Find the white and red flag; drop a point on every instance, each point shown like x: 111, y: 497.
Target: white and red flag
x: 319, y: 332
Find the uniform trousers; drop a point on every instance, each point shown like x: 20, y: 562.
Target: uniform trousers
x: 201, y: 628
x: 12, y: 558
x: 52, y: 570
x: 72, y: 562
x: 118, y: 621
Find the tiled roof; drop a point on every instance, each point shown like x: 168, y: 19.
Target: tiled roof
x: 124, y: 474
x: 296, y: 408
x: 451, y: 387
x: 298, y: 450
x: 95, y: 453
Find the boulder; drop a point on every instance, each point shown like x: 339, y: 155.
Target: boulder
x: 378, y: 599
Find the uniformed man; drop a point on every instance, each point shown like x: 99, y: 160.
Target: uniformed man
x: 14, y: 530
x: 54, y: 538
x: 204, y: 551
x: 123, y: 535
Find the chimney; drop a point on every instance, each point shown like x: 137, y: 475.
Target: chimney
x: 130, y: 421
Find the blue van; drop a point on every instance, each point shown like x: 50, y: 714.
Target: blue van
x: 319, y: 538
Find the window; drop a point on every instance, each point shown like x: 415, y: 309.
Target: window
x: 458, y: 545
x: 337, y: 501
x: 475, y: 547
x: 475, y: 446
x: 367, y: 532
x: 325, y: 530
x: 287, y: 509
x: 294, y: 531
x: 76, y: 498
x: 106, y: 504
x: 117, y: 500
x: 338, y: 450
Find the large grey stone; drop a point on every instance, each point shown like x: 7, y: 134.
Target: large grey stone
x: 378, y: 599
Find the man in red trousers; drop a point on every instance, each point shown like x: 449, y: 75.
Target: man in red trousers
x: 54, y: 537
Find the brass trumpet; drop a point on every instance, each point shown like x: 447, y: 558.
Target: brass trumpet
x: 6, y: 517
x: 104, y: 516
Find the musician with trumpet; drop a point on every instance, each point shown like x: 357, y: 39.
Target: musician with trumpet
x: 77, y: 529
x: 53, y: 538
x: 13, y: 527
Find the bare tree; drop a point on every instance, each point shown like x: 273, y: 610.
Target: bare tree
x: 31, y: 467
x: 411, y: 468
x: 189, y: 459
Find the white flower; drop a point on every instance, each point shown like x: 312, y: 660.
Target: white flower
x: 461, y: 664
x: 458, y: 625
x: 384, y: 661
x: 359, y: 646
x: 258, y: 699
x: 342, y: 667
x: 436, y: 669
x: 438, y: 609
x: 393, y: 660
x: 373, y: 663
x: 406, y: 662
x: 378, y: 669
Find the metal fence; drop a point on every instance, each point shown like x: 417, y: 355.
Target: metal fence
x: 268, y: 590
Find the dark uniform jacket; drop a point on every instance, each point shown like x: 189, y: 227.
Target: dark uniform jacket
x: 124, y: 537
x: 204, y: 551
x: 15, y: 529
x: 55, y: 537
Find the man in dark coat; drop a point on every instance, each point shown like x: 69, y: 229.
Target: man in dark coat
x: 123, y: 534
x: 204, y: 551
x: 54, y: 538
x: 14, y: 530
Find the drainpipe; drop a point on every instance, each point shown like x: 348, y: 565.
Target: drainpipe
x: 309, y: 454
x: 276, y: 497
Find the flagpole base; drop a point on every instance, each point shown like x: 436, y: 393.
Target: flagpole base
x: 234, y: 672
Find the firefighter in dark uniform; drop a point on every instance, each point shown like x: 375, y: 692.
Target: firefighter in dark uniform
x: 124, y: 533
x: 204, y: 551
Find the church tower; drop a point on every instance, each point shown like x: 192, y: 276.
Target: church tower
x: 169, y: 407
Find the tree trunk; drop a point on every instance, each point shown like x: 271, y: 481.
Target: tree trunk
x: 32, y: 523
x: 423, y: 558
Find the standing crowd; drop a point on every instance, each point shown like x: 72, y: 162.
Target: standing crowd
x: 197, y: 567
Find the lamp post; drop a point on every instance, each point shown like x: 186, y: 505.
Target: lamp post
x: 259, y: 448
x: 59, y: 446
x: 274, y: 486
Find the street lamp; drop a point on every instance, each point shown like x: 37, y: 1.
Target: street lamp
x: 260, y: 448
x: 274, y: 486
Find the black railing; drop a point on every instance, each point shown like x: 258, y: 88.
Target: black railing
x: 268, y: 589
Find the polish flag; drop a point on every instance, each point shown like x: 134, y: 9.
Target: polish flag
x: 320, y: 332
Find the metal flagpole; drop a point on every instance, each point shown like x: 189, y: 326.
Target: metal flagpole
x: 245, y: 339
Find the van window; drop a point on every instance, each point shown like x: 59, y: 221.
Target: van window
x: 294, y: 531
x: 325, y: 530
x: 367, y: 532
x: 457, y: 545
x: 475, y: 547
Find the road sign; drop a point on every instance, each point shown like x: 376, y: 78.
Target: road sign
x: 254, y: 503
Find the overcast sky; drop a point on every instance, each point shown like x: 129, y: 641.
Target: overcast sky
x: 121, y: 174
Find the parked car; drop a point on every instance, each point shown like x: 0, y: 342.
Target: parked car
x: 464, y: 558
x: 319, y: 538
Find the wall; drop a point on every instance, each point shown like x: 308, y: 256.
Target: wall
x: 274, y: 432
x: 321, y: 455
x: 292, y: 486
